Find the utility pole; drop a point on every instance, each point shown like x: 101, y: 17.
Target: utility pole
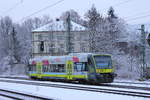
x: 143, y: 45
x: 11, y: 47
x: 68, y: 34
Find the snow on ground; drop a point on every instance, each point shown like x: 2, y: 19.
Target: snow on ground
x: 133, y: 81
x: 92, y: 86
x: 137, y: 81
x: 15, y: 76
x: 5, y: 98
x: 132, y: 84
x: 65, y: 94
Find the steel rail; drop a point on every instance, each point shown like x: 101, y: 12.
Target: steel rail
x: 10, y: 97
x: 92, y: 89
x: 102, y: 84
x: 21, y: 96
x: 132, y: 83
x: 25, y: 78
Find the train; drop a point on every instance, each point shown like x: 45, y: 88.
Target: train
x: 82, y: 67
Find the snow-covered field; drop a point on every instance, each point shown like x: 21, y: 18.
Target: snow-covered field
x: 91, y: 86
x: 5, y: 98
x: 132, y: 83
x: 65, y: 94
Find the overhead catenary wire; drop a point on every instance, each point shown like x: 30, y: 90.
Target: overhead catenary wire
x: 40, y: 10
x: 118, y: 4
x: 13, y: 7
x: 138, y: 17
x: 137, y: 14
x: 122, y: 2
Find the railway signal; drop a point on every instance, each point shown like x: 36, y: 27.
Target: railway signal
x: 143, y: 46
x: 42, y: 46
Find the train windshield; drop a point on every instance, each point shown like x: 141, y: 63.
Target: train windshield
x: 103, y: 62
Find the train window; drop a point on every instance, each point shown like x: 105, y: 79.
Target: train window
x: 45, y: 68
x: 61, y: 68
x: 49, y: 68
x: 32, y: 67
x: 78, y: 67
x: 56, y: 68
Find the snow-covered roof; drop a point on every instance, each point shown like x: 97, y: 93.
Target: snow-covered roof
x: 60, y: 26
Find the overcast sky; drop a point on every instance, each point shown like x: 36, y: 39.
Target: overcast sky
x: 18, y: 9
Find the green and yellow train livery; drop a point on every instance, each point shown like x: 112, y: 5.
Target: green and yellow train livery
x: 85, y: 67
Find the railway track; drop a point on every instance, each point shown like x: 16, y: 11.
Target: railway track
x: 133, y: 83
x: 20, y: 95
x: 126, y: 87
x: 100, y: 89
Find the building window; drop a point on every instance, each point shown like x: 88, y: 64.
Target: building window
x: 61, y: 46
x: 50, y: 36
x: 41, y: 47
x: 82, y: 47
x: 40, y: 37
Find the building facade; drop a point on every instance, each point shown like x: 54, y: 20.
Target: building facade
x: 52, y: 39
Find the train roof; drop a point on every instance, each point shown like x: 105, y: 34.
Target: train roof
x: 86, y: 54
x: 58, y: 59
x: 76, y: 57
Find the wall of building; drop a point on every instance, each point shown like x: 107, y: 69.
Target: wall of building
x: 55, y: 43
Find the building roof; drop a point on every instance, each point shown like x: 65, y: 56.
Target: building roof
x: 60, y: 26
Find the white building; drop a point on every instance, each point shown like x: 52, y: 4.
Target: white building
x: 53, y: 37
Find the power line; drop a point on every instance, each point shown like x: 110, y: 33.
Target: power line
x: 118, y: 4
x: 40, y: 10
x: 138, y: 14
x: 123, y: 2
x: 136, y: 18
x: 13, y: 7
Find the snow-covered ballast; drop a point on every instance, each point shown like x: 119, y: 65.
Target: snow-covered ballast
x: 76, y: 66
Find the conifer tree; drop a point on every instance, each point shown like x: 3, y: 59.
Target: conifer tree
x: 93, y: 17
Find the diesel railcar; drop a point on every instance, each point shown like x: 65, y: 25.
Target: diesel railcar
x: 85, y: 67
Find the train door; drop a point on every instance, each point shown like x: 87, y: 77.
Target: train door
x: 39, y: 69
x: 92, y: 70
x: 69, y: 69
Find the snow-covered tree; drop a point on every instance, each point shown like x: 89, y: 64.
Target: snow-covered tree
x: 15, y: 46
x: 25, y: 36
x: 16, y: 40
x: 5, y: 34
x: 110, y: 30
x: 36, y: 22
x: 6, y: 47
x: 74, y: 16
x: 93, y: 18
x: 111, y: 13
